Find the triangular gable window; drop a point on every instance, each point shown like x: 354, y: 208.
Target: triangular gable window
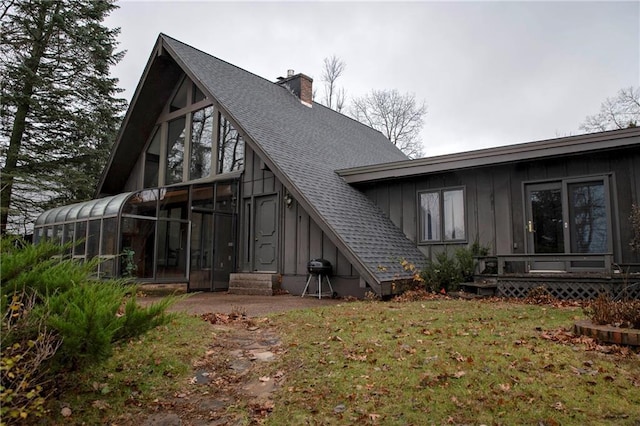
x: 179, y: 101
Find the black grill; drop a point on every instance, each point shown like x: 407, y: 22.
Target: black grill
x: 319, y: 266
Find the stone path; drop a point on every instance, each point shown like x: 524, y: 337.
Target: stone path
x: 223, y: 377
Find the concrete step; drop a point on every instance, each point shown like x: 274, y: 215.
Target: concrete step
x: 253, y: 283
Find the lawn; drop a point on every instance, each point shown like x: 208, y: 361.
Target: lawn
x: 449, y: 362
x: 412, y: 363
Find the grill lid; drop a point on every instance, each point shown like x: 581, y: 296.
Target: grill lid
x: 319, y: 266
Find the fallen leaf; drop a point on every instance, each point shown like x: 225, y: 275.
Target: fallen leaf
x: 66, y: 412
x: 265, y: 378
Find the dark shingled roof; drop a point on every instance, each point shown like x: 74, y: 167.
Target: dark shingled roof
x: 304, y: 146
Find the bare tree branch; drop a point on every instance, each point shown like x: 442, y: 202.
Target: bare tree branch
x: 398, y: 117
x: 618, y: 112
x: 333, y: 69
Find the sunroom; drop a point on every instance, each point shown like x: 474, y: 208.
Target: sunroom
x: 174, y: 234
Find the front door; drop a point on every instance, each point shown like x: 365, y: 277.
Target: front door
x: 265, y: 233
x: 570, y: 216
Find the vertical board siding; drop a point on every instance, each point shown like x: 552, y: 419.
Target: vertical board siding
x: 495, y: 199
x: 395, y: 204
x: 303, y: 241
x: 409, y: 210
x: 486, y: 232
x: 503, y: 212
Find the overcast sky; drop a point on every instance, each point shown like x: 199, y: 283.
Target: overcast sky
x: 491, y: 73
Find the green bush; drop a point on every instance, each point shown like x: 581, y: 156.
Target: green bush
x: 23, y: 377
x: 447, y: 272
x: 57, y: 317
x: 444, y: 273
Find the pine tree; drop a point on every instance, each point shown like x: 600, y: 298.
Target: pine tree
x: 60, y: 110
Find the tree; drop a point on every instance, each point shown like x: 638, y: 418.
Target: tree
x: 59, y: 105
x: 334, y: 97
x: 618, y: 112
x: 398, y: 117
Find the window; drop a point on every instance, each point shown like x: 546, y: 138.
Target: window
x: 192, y: 140
x: 230, y: 148
x: 175, y: 151
x: 588, y: 222
x: 442, y: 215
x: 152, y: 161
x: 201, y: 142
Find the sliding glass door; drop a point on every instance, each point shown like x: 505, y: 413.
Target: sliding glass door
x: 572, y: 216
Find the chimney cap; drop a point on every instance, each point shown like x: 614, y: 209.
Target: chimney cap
x: 290, y: 73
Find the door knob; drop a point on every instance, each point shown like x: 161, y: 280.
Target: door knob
x: 530, y: 226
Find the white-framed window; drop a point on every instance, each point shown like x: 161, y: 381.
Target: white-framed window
x: 442, y: 215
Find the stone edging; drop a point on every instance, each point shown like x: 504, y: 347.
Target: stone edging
x: 608, y: 333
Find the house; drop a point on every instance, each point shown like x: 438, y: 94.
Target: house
x: 552, y: 212
x: 220, y: 179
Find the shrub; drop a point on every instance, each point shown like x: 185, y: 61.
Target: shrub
x: 24, y: 383
x: 59, y: 317
x: 635, y: 227
x: 444, y: 273
x: 604, y: 310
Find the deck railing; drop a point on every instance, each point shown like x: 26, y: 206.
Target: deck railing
x: 567, y: 262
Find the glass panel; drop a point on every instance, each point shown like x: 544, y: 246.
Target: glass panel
x: 152, y: 161
x: 174, y: 203
x: 201, y: 143
x: 67, y: 235
x: 142, y: 203
x: 197, y: 94
x: 453, y: 210
x: 224, y: 252
x: 172, y: 257
x: 81, y: 239
x: 93, y: 239
x: 546, y: 211
x: 180, y: 99
x: 38, y: 234
x: 230, y: 148
x: 85, y: 211
x: 430, y: 211
x: 107, y: 268
x: 201, y: 251
x: 74, y: 211
x: 61, y: 214
x: 99, y: 207
x: 175, y: 151
x: 108, y: 237
x: 202, y: 196
x: 57, y: 234
x: 114, y: 205
x: 138, y: 245
x: 226, y: 197
x: 588, y: 215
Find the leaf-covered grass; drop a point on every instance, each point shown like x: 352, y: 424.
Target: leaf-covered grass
x: 388, y: 363
x: 145, y: 368
x: 444, y: 361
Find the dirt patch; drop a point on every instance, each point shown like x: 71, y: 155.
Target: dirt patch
x: 228, y: 374
x: 251, y: 306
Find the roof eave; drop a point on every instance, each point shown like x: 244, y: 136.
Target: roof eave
x: 499, y: 155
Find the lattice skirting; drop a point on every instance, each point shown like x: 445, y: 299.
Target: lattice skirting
x: 569, y: 290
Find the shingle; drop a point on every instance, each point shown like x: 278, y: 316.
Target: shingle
x: 307, y: 145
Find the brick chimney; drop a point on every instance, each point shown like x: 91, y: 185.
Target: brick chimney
x: 301, y: 85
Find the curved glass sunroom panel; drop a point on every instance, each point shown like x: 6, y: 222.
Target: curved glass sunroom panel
x: 107, y: 206
x: 142, y: 203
